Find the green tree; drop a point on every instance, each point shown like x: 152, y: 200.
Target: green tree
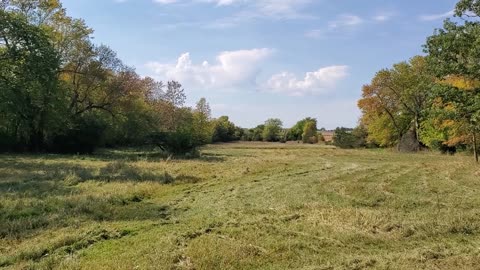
x: 296, y: 132
x: 344, y: 138
x: 223, y: 130
x: 310, y: 133
x: 454, y: 50
x: 254, y: 134
x: 272, y: 130
x: 466, y: 7
x: 30, y: 97
x: 203, y: 127
x: 393, y: 104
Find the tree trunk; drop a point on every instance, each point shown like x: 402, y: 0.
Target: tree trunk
x: 417, y: 127
x: 475, y: 150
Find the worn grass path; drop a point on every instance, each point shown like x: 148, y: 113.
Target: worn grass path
x: 241, y: 206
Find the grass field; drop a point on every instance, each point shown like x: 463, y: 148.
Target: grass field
x: 240, y: 206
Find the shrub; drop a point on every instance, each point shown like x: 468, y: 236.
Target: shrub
x: 83, y: 138
x: 344, y: 138
x: 310, y: 134
x: 178, y: 143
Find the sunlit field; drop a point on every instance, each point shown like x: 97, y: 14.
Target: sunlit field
x: 240, y: 206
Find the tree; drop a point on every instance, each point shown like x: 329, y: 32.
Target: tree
x: 254, y: 134
x: 203, y: 108
x: 454, y: 50
x: 95, y: 83
x: 272, y: 129
x: 174, y: 94
x: 296, y: 132
x: 467, y: 7
x: 29, y: 100
x: 310, y: 133
x: 223, y: 130
x: 393, y: 104
x: 60, y: 92
x: 203, y: 128
x: 349, y: 138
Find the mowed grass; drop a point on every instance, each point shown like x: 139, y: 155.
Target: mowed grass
x: 240, y: 206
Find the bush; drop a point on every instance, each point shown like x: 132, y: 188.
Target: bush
x: 84, y: 138
x: 178, y: 143
x: 350, y: 138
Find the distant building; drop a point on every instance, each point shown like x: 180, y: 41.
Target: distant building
x: 328, y: 135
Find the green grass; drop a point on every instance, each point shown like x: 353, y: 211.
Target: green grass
x: 240, y: 206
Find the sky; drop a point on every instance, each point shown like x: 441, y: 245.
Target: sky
x: 259, y: 59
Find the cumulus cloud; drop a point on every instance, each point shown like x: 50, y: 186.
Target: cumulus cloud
x: 235, y: 70
x: 315, y: 82
x: 232, y: 69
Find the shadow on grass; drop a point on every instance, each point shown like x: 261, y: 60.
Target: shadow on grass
x: 21, y: 174
x: 115, y: 154
x: 38, y: 195
x: 21, y: 217
x: 152, y: 154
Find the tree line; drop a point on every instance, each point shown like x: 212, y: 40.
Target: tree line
x: 60, y: 92
x: 433, y: 100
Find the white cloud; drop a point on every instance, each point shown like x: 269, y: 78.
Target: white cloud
x: 434, y: 17
x: 231, y: 70
x: 253, y: 9
x: 281, y: 8
x: 346, y: 20
x: 315, y: 82
x: 382, y: 17
x: 165, y: 1
x: 315, y: 33
x: 235, y: 70
x: 343, y: 23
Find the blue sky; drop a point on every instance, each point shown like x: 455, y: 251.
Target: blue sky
x: 257, y: 59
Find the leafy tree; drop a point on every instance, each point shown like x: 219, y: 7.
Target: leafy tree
x: 30, y: 96
x: 272, y: 130
x: 203, y: 127
x: 296, y: 132
x: 175, y: 94
x: 254, y: 134
x: 310, y: 134
x: 394, y: 102
x: 181, y: 140
x: 224, y: 130
x: 343, y: 138
x: 454, y: 50
x: 60, y: 92
x: 349, y: 138
x: 361, y: 134
x: 467, y: 7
